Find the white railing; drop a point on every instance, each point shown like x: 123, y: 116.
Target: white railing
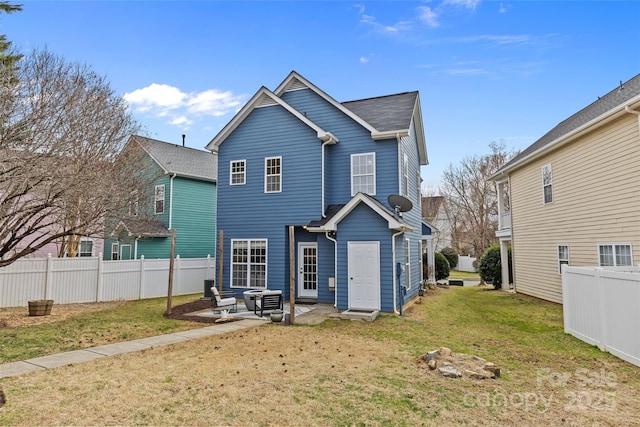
x: 465, y: 263
x: 77, y: 280
x: 601, y: 308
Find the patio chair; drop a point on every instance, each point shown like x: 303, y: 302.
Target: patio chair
x: 268, y: 301
x: 219, y: 304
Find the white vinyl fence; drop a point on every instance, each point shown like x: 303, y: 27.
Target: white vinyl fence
x: 465, y: 263
x: 77, y: 280
x: 601, y: 307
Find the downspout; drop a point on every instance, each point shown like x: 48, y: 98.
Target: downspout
x: 329, y: 141
x: 335, y: 268
x: 135, y: 247
x: 393, y: 269
x: 400, y: 165
x: 171, y: 200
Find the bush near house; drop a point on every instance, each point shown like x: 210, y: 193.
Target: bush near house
x: 490, y: 267
x: 452, y: 256
x: 442, y: 266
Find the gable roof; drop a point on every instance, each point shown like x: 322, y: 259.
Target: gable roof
x: 330, y: 223
x: 430, y: 207
x: 183, y: 161
x: 594, y: 114
x: 262, y: 98
x: 386, y: 113
x: 142, y: 228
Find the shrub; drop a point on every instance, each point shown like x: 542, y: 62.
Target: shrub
x: 490, y: 266
x: 452, y: 256
x: 442, y: 266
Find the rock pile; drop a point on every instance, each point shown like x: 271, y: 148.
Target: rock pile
x: 456, y: 365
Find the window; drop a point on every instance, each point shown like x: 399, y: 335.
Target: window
x: 238, y: 173
x: 614, y: 255
x: 547, y: 184
x: 86, y: 247
x: 563, y: 256
x: 407, y: 262
x: 405, y: 176
x: 363, y: 173
x: 248, y: 263
x: 115, y: 250
x: 159, y: 197
x: 273, y: 174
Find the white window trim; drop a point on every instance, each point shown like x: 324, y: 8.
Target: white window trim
x: 244, y: 172
x: 568, y: 260
x: 266, y: 263
x: 548, y: 165
x: 115, y: 249
x: 407, y: 262
x: 266, y: 159
x: 613, y: 247
x: 93, y: 245
x: 156, y: 199
x: 353, y: 193
x: 405, y: 175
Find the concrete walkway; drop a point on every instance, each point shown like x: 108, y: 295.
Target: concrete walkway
x: 98, y: 352
x: 304, y: 315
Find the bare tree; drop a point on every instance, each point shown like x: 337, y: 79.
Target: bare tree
x: 61, y: 129
x: 473, y: 200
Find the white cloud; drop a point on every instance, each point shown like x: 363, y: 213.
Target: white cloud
x: 179, y: 108
x: 364, y: 59
x: 503, y: 8
x: 428, y: 16
x: 468, y: 4
x: 399, y: 27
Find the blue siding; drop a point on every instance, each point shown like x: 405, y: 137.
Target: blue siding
x: 365, y: 225
x: 245, y: 211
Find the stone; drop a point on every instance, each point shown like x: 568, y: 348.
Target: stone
x: 478, y: 375
x: 431, y: 355
x: 478, y: 359
x: 450, y: 372
x: 490, y: 367
x: 432, y: 364
x: 444, y: 351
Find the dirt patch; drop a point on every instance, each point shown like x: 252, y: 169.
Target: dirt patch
x: 18, y: 317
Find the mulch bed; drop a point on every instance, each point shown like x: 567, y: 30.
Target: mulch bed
x: 183, y: 311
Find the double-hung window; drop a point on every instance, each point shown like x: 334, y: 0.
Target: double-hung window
x: 547, y: 184
x: 237, y: 172
x: 115, y: 251
x: 86, y: 247
x: 159, y: 199
x: 563, y: 256
x: 363, y: 173
x: 249, y: 263
x: 273, y: 175
x: 614, y: 255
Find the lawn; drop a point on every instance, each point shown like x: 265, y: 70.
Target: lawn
x: 349, y: 373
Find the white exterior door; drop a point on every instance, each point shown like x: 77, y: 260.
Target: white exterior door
x: 307, y: 270
x: 364, y: 275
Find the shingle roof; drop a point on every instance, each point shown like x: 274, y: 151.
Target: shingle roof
x: 608, y: 102
x: 386, y: 113
x: 143, y: 227
x: 182, y: 161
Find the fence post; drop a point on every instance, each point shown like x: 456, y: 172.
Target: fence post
x: 207, y: 275
x: 47, y: 280
x: 99, y: 280
x: 566, y: 306
x: 602, y: 341
x: 177, y: 275
x: 141, y: 277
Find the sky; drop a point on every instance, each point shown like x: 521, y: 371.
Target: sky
x: 487, y: 71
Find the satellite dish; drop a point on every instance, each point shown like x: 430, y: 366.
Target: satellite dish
x: 400, y: 203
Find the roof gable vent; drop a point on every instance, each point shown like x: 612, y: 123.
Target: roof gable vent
x: 295, y: 84
x: 265, y: 101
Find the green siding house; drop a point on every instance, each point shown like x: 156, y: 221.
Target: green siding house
x: 184, y: 199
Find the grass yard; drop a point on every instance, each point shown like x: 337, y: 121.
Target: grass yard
x: 349, y: 373
x: 455, y: 274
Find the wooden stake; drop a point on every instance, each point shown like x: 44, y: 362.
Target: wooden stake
x: 292, y: 276
x: 171, y: 256
x: 220, y: 263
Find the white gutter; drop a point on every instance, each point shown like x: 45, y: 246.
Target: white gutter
x: 400, y: 164
x: 171, y: 200
x: 630, y: 111
x: 393, y: 269
x: 335, y: 268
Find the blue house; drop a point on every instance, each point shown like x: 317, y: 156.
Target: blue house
x: 296, y: 157
x: 182, y: 197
